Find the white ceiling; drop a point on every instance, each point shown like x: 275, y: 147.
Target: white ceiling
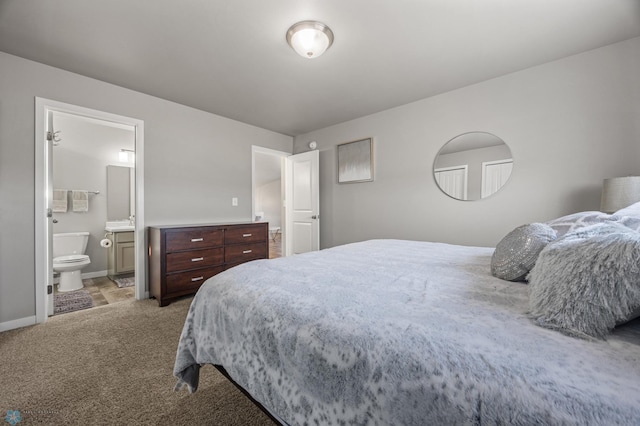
x: 230, y: 57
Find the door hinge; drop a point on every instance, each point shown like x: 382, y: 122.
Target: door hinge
x: 49, y: 289
x: 53, y: 136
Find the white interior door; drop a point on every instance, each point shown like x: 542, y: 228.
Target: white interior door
x: 302, y: 203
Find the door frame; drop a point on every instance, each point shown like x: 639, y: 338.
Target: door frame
x: 282, y: 154
x: 43, y: 230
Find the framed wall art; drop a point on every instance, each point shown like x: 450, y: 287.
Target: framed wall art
x: 355, y: 161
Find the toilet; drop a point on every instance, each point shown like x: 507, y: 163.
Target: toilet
x: 69, y: 259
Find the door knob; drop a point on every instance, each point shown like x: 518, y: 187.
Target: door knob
x: 315, y: 216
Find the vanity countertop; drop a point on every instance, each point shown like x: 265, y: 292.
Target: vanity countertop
x: 119, y: 226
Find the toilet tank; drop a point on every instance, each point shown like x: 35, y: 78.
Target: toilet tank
x: 70, y: 243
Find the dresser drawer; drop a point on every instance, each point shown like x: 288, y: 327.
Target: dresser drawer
x: 190, y: 280
x: 245, y: 234
x: 194, y: 239
x: 245, y: 252
x: 183, y: 260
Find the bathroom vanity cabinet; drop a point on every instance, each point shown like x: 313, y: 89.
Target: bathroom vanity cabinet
x: 181, y: 258
x: 121, y: 255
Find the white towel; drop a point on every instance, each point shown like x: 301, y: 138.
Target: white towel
x: 80, y: 200
x: 59, y: 204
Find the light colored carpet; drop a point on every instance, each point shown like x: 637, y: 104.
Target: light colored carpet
x: 112, y: 365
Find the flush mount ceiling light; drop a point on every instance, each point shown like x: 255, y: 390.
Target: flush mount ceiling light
x: 309, y: 38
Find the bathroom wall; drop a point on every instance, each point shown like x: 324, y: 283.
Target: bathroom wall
x: 269, y: 201
x: 80, y: 161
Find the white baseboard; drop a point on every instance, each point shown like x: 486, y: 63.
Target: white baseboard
x: 97, y: 274
x: 19, y: 323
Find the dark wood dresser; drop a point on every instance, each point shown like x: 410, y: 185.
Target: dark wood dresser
x: 181, y: 258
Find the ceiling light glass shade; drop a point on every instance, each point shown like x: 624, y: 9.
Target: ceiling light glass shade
x: 309, y: 38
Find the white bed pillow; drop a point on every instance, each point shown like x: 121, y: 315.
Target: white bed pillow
x: 574, y: 221
x: 632, y: 211
x: 517, y: 252
x: 587, y: 282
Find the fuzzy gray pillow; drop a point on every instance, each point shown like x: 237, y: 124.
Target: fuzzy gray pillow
x: 587, y: 282
x: 517, y: 252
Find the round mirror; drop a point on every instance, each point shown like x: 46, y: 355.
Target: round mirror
x: 472, y: 166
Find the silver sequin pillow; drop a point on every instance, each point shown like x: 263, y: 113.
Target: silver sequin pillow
x: 518, y: 251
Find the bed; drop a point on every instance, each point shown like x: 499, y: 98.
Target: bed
x: 400, y: 332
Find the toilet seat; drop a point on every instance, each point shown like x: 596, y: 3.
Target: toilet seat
x: 72, y: 258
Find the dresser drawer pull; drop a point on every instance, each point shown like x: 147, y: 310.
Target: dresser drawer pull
x: 195, y: 240
x: 197, y: 279
x: 246, y: 235
x: 197, y: 259
x: 246, y: 251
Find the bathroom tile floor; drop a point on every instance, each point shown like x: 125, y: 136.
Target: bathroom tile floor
x: 103, y: 291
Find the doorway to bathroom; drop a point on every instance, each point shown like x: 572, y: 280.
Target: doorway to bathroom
x: 88, y: 182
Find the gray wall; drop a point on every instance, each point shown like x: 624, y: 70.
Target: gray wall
x: 194, y: 163
x: 569, y: 123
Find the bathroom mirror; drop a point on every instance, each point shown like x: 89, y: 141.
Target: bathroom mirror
x: 472, y: 166
x: 120, y: 191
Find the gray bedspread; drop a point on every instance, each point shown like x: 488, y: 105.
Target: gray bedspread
x: 390, y: 332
